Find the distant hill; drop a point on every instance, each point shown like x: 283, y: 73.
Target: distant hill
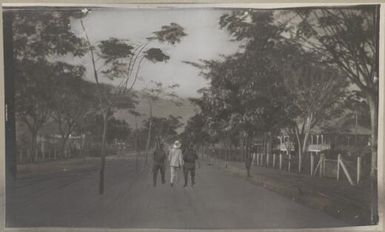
x: 161, y: 108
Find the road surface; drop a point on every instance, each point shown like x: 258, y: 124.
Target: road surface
x: 219, y: 200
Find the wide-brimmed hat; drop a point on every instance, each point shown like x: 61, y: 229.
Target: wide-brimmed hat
x: 177, y: 144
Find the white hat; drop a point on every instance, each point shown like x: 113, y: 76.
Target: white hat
x: 177, y: 144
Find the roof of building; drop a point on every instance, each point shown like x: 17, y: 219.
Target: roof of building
x: 342, y: 125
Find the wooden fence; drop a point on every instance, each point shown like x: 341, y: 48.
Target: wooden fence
x: 49, y: 151
x: 352, y: 171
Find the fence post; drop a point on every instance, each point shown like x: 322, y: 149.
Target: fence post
x: 311, y: 163
x: 358, y: 169
x: 324, y: 165
x: 274, y: 160
x: 318, y: 166
x: 280, y: 161
x: 261, y: 159
x: 21, y: 159
x: 43, y: 150
x: 36, y: 154
x: 321, y: 168
x: 267, y: 159
x: 289, y: 163
x: 346, y: 172
x: 258, y: 159
x: 254, y: 156
x: 338, y: 166
x: 28, y: 153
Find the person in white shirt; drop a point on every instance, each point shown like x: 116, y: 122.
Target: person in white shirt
x: 176, y: 161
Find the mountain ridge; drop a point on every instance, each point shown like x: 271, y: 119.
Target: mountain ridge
x: 161, y: 108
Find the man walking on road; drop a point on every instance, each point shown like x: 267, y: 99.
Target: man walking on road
x: 189, y: 158
x: 159, y: 162
x: 176, y: 161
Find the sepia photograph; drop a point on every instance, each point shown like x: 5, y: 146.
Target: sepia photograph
x: 192, y: 117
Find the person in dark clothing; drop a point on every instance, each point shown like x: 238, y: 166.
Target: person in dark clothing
x: 159, y: 162
x: 189, y: 158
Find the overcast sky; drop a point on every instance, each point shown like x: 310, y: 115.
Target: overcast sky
x: 204, y: 40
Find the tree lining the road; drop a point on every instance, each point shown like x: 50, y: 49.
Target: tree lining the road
x: 305, y: 86
x: 37, y: 37
x: 152, y: 93
x: 164, y: 129
x: 47, y: 88
x: 123, y: 60
x: 349, y: 38
x: 118, y: 136
x: 73, y: 102
x: 317, y: 94
x: 195, y: 133
x: 41, y: 39
x: 246, y: 97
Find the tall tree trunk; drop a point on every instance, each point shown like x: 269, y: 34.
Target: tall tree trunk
x: 136, y: 144
x: 63, y: 145
x: 305, y: 136
x: 243, y: 149
x: 247, y: 156
x: 226, y: 150
x: 299, y: 150
x: 149, y: 133
x: 269, y: 143
x: 306, y: 132
x: 103, y: 155
x: 201, y: 150
x: 34, y: 151
x: 373, y: 106
x: 9, y: 79
x: 102, y: 102
x: 230, y: 157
